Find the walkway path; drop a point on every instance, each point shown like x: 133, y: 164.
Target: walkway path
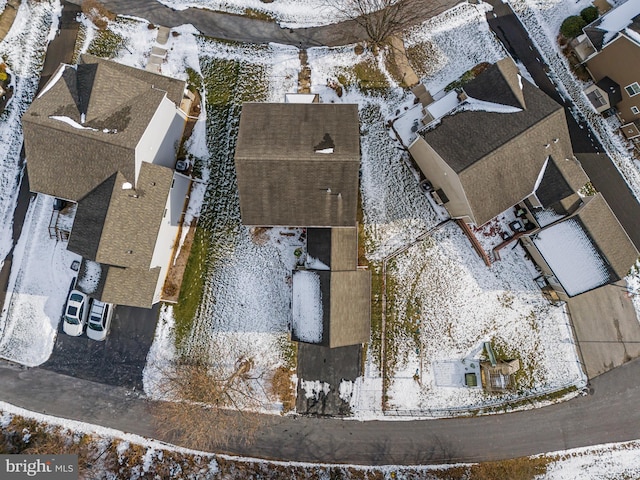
x: 251, y: 30
x: 610, y: 414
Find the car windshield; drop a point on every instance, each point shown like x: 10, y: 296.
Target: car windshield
x: 71, y: 320
x: 75, y: 297
x: 95, y: 326
x: 72, y: 311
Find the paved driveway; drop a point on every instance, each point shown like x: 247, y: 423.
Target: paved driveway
x: 119, y: 360
x: 607, y: 328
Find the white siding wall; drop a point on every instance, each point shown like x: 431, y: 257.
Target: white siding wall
x: 167, y: 235
x: 161, y: 139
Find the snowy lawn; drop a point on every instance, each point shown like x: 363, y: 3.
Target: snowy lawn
x: 23, y: 51
x: 442, y: 301
x: 289, y: 13
x: 244, y: 309
x: 447, y: 302
x: 40, y: 280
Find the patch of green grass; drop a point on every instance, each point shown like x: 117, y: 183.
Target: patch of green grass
x: 192, y: 286
x: 366, y: 76
x: 288, y: 351
x: 227, y: 83
x: 106, y: 44
x: 194, y: 80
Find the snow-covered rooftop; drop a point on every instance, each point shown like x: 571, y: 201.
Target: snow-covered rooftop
x: 618, y: 19
x: 570, y: 253
x: 440, y: 108
x: 307, y: 306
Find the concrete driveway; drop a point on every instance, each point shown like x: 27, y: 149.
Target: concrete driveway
x: 606, y: 327
x: 119, y: 360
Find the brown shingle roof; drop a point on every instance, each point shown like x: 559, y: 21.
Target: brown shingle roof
x: 107, y: 96
x: 608, y: 235
x: 498, y: 156
x: 282, y: 177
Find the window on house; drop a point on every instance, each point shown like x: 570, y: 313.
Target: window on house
x: 635, y: 110
x: 633, y: 89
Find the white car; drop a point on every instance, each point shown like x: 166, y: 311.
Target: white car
x: 99, y: 320
x: 75, y: 313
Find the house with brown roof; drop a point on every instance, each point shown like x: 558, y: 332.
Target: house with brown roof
x: 105, y: 136
x: 610, y: 50
x: 298, y: 164
x: 504, y: 144
x: 488, y: 152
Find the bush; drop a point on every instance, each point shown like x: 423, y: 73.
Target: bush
x: 3, y: 76
x: 572, y: 26
x: 589, y: 14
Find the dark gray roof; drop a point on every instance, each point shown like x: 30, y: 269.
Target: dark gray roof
x: 319, y: 244
x: 134, y: 287
x: 561, y: 180
x: 612, y: 88
x: 284, y: 178
x: 336, y: 247
x: 608, y: 235
x: 116, y: 103
x: 498, y: 84
x: 499, y: 156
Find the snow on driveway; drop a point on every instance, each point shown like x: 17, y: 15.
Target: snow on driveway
x: 37, y: 291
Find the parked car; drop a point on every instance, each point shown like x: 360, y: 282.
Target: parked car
x: 75, y: 313
x: 99, y: 320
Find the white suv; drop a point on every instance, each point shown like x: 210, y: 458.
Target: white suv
x: 99, y: 320
x: 75, y: 313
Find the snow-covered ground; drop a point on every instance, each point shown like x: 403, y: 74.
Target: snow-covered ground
x: 22, y: 50
x: 289, y: 13
x: 40, y: 280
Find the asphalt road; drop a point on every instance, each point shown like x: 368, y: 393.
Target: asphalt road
x: 609, y: 414
x: 250, y: 30
x: 603, y: 173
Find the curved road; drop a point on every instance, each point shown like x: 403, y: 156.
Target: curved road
x: 250, y: 30
x: 609, y: 414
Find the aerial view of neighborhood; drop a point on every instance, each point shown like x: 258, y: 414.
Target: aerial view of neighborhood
x: 320, y: 239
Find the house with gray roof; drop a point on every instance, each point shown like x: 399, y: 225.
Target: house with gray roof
x: 505, y: 144
x: 105, y: 136
x: 609, y: 48
x: 487, y: 154
x: 298, y: 164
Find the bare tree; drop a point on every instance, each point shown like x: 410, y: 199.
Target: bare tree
x: 379, y: 19
x: 213, y: 405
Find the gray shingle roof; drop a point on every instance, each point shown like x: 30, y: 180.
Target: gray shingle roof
x: 283, y: 179
x: 498, y: 156
x: 107, y: 96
